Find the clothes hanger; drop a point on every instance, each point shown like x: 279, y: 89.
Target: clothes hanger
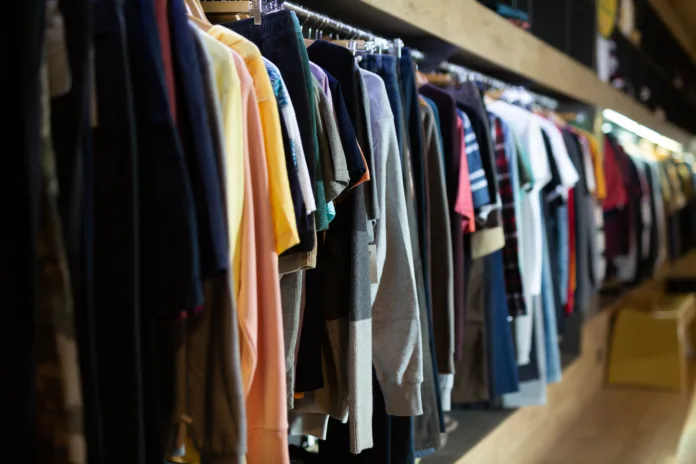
x: 228, y: 10
x: 308, y: 40
x: 205, y: 26
x: 195, y: 9
x: 196, y: 15
x: 226, y: 7
x: 421, y: 80
x: 439, y: 79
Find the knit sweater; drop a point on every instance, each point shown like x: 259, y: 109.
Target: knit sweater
x: 396, y: 337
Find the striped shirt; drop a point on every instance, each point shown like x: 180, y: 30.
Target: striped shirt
x: 477, y: 175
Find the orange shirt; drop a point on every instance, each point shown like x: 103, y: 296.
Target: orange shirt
x: 281, y: 206
x: 259, y: 308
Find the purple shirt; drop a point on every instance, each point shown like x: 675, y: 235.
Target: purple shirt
x: 322, y: 78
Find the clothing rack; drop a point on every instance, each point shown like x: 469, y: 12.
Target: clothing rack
x: 381, y: 43
x: 352, y: 33
x: 467, y: 74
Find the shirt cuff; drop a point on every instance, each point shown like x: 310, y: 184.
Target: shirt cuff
x: 402, y: 399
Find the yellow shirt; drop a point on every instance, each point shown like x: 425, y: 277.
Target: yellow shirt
x: 230, y: 98
x: 282, y: 208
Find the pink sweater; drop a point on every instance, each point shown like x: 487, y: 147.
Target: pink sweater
x: 260, y: 312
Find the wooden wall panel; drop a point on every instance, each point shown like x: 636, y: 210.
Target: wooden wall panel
x: 479, y: 32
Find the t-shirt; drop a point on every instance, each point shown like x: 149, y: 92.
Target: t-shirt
x: 464, y: 204
x: 228, y: 90
x: 287, y: 111
x: 528, y: 129
x: 286, y: 234
x: 477, y: 175
x: 615, y: 187
x: 568, y: 175
x: 355, y: 161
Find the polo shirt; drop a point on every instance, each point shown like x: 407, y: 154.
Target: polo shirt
x: 228, y: 87
x: 283, y: 213
x: 287, y: 111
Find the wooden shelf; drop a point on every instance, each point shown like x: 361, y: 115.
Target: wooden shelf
x: 477, y: 31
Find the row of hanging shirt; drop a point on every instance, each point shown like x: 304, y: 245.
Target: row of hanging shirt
x: 283, y: 239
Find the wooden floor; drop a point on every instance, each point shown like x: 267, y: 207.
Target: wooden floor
x: 585, y: 422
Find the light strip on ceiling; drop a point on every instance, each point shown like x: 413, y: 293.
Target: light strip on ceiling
x: 642, y: 131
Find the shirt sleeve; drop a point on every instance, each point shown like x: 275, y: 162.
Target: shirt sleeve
x: 397, y: 345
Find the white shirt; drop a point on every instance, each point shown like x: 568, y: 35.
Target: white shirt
x: 527, y: 128
x: 566, y: 170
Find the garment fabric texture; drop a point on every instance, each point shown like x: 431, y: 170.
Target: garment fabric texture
x: 214, y: 396
x: 394, y: 299
x: 259, y: 301
x: 347, y: 255
x: 489, y: 236
x: 285, y: 229
x: 552, y: 199
x: 469, y: 100
x: 20, y: 200
x: 585, y: 233
x: 465, y: 201
x: 266, y: 396
x: 414, y: 142
x: 70, y: 118
x: 278, y: 41
x: 471, y: 378
x: 301, y: 220
x: 193, y: 127
x: 333, y: 59
x: 426, y: 426
x: 477, y: 174
x: 526, y: 128
x: 60, y: 434
x: 167, y: 203
x: 442, y: 284
x: 289, y: 116
x: 502, y: 369
x: 452, y: 152
x: 333, y: 159
x: 354, y: 159
x: 387, y: 68
x: 396, y: 249
x: 116, y: 238
x: 512, y: 276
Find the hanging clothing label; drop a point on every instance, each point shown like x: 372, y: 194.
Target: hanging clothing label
x: 372, y: 249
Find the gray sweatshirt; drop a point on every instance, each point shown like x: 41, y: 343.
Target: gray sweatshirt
x: 397, y: 356
x: 396, y: 338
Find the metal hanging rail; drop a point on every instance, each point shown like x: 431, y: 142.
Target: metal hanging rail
x: 322, y: 21
x: 468, y: 74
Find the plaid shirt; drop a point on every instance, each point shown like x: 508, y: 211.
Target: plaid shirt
x: 513, y: 278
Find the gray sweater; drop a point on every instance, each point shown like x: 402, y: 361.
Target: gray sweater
x: 397, y: 345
